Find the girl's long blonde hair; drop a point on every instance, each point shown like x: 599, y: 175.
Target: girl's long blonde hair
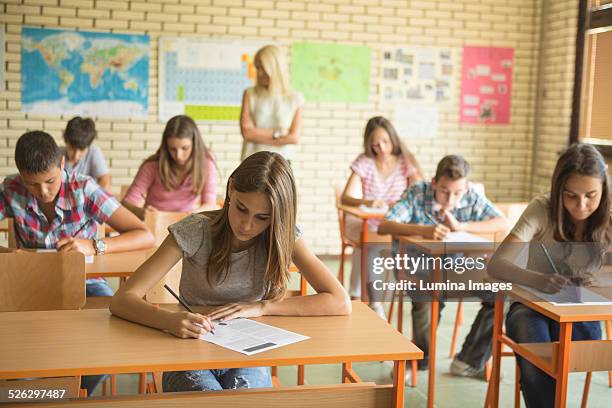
x: 268, y: 173
x: 182, y: 126
x: 270, y: 59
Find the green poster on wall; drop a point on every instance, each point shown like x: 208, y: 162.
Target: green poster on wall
x: 331, y: 72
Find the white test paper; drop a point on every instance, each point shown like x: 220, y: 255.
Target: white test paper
x: 250, y: 337
x: 571, y: 296
x: 462, y: 236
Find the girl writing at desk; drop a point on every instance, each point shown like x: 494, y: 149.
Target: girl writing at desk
x: 574, y: 223
x: 237, y: 259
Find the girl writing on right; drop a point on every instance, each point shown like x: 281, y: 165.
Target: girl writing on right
x: 572, y: 225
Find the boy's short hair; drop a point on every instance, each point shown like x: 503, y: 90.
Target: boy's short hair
x: 37, y: 152
x: 80, y: 132
x: 452, y: 166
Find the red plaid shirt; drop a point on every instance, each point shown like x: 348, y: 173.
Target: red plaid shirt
x: 80, y: 203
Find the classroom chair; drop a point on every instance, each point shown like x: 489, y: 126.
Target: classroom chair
x: 344, y: 242
x: 356, y: 395
x: 39, y: 282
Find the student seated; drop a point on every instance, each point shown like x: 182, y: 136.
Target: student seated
x: 53, y: 208
x: 574, y: 219
x: 382, y: 173
x: 236, y: 259
x: 432, y: 210
x: 180, y: 176
x: 81, y: 155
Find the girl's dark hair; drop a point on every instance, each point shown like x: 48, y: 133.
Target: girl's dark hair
x: 80, y: 132
x: 37, y: 152
x: 399, y: 148
x: 584, y: 160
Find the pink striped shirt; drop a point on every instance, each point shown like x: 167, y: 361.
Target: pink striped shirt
x: 147, y: 189
x: 375, y: 187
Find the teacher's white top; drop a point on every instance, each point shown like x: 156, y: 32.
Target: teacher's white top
x: 272, y: 112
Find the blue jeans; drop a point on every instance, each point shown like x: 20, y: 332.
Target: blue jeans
x: 95, y: 287
x: 525, y: 325
x: 210, y: 380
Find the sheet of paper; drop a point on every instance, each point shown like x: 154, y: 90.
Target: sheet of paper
x: 88, y: 258
x: 461, y: 236
x: 571, y: 296
x: 373, y: 210
x: 250, y: 337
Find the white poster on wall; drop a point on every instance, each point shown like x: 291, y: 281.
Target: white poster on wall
x: 418, y: 74
x: 416, y: 120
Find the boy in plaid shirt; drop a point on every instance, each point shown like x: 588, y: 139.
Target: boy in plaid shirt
x: 432, y: 210
x: 56, y: 209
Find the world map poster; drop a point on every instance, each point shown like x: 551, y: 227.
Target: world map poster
x: 67, y: 72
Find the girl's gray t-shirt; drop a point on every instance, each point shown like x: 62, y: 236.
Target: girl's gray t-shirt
x: 243, y: 283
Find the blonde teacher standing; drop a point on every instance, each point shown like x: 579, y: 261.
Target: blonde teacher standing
x: 271, y: 114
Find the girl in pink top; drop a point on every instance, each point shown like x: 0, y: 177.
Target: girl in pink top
x: 379, y: 176
x: 180, y: 176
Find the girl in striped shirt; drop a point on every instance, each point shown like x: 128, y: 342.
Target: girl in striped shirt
x: 379, y: 175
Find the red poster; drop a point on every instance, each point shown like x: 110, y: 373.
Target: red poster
x: 486, y: 84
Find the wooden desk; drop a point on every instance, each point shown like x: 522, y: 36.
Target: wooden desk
x: 87, y: 342
x: 433, y: 247
x: 117, y: 265
x: 365, y: 237
x: 4, y: 225
x: 559, y: 358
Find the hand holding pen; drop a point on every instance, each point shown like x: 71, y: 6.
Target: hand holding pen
x: 189, y: 324
x: 551, y: 283
x: 437, y: 230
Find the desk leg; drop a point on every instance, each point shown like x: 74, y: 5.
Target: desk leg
x: 399, y: 372
x: 431, y: 388
x: 498, y: 322
x: 364, y: 261
x: 565, y: 342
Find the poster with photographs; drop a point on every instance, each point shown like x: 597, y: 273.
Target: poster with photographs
x: 486, y: 84
x: 417, y: 74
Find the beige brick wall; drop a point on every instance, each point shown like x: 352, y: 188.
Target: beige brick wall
x: 331, y: 137
x: 556, y: 88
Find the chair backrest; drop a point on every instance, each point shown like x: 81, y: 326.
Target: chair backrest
x: 12, y: 235
x: 41, y: 281
x: 158, y: 223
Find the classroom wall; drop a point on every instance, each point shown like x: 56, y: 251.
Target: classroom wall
x: 554, y: 102
x: 332, y: 134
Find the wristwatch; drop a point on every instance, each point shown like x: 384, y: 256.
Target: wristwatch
x: 99, y: 245
x: 276, y: 134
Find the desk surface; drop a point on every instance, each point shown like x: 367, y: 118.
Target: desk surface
x: 358, y: 212
x: 117, y: 264
x: 566, y: 313
x: 4, y: 225
x: 81, y: 342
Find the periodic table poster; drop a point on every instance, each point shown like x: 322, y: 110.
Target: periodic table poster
x: 204, y: 79
x: 486, y: 84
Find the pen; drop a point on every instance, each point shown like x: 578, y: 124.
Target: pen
x: 185, y: 305
x: 432, y: 219
x: 550, y: 261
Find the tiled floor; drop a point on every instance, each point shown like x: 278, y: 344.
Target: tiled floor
x: 450, y: 391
